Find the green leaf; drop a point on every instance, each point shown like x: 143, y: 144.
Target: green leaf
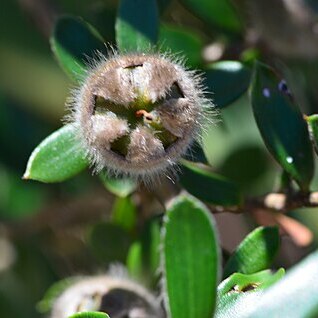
x: 90, y: 314
x: 121, y: 187
x: 240, y: 293
x: 46, y: 304
x: 150, y: 244
x: 124, y: 213
x: 196, y: 154
x: 75, y: 43
x: 244, y: 282
x: 219, y: 13
x: 57, y: 158
x: 282, y: 125
x: 208, y: 186
x: 180, y: 40
x: 137, y: 25
x: 296, y: 295
x: 255, y: 253
x: 245, y: 164
x: 191, y: 259
x: 134, y: 261
x: 313, y: 128
x: 109, y: 242
x: 227, y: 80
x: 143, y: 257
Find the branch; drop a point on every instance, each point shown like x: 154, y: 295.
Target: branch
x: 277, y: 202
x: 270, y: 209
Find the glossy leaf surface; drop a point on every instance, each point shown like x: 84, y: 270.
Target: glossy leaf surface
x: 191, y: 259
x: 121, y: 187
x: 90, y: 314
x: 227, y: 81
x: 57, y: 158
x: 313, y: 126
x: 296, y: 295
x: 239, y: 294
x: 255, y: 253
x: 282, y: 125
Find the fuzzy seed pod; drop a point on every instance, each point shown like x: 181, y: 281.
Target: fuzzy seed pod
x: 138, y: 114
x: 118, y: 297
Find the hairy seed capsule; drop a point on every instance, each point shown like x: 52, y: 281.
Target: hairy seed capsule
x: 118, y: 297
x: 138, y: 114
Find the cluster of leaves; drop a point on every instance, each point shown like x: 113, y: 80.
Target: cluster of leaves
x: 287, y: 140
x: 190, y: 254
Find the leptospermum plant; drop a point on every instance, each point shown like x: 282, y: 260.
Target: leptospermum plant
x: 135, y: 116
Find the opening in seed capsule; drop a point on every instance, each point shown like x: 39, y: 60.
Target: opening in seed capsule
x: 139, y: 113
x: 134, y: 65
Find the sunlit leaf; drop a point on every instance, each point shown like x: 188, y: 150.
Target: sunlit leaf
x: 57, y: 158
x: 239, y: 294
x: 90, y: 314
x: 191, y: 259
x: 255, y: 253
x: 294, y: 296
x: 313, y: 126
x: 121, y: 187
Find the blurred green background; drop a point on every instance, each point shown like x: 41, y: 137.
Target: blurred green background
x: 44, y: 227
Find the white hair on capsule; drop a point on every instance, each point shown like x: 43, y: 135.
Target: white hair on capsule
x: 91, y: 293
x: 138, y: 113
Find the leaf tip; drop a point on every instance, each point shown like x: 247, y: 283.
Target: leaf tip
x: 26, y: 176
